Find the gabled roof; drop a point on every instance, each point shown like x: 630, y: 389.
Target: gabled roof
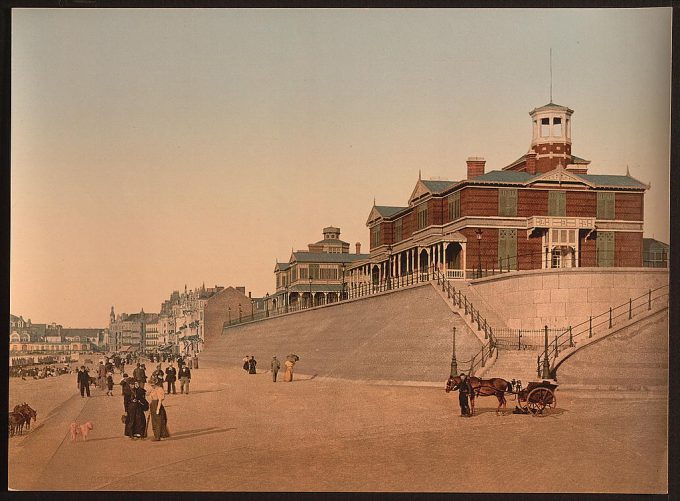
x: 559, y: 175
x: 600, y: 180
x: 437, y: 186
x: 504, y: 176
x: 579, y: 161
x: 326, y: 257
x: 381, y: 211
x: 281, y: 266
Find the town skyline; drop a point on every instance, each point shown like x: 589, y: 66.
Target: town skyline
x: 199, y: 147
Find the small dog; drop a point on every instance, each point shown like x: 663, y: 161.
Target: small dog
x: 80, y: 429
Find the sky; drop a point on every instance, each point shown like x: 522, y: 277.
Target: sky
x: 157, y: 148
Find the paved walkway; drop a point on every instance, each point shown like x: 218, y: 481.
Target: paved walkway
x: 239, y: 432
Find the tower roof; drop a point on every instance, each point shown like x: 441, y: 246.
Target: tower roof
x: 551, y: 107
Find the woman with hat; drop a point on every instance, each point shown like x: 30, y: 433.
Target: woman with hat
x: 159, y: 419
x: 135, y: 425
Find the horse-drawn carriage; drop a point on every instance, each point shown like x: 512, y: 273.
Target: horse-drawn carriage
x: 537, y: 399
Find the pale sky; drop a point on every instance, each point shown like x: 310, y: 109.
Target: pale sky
x: 154, y: 148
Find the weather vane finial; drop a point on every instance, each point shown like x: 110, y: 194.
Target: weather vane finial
x: 551, y: 74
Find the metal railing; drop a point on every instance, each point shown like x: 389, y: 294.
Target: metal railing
x: 596, y: 325
x: 350, y: 291
x: 461, y: 301
x: 523, y: 339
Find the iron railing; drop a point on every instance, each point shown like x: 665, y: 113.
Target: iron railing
x: 595, y: 325
x: 461, y: 301
x: 523, y: 339
x: 350, y: 291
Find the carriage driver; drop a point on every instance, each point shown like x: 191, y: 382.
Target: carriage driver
x: 464, y: 391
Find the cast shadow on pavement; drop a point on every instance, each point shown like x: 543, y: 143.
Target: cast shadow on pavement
x: 181, y: 435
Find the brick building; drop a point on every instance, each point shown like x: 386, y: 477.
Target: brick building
x: 541, y: 211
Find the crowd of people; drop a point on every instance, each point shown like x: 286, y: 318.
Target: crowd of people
x: 39, y: 372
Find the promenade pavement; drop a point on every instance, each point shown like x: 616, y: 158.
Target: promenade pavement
x: 240, y: 432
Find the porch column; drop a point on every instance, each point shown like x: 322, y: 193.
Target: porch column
x: 463, y: 246
x: 445, y: 264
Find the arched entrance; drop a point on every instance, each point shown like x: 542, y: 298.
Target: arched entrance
x: 454, y: 260
x: 424, y: 261
x: 375, y: 275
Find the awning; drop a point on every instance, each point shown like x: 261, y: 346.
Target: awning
x: 127, y: 348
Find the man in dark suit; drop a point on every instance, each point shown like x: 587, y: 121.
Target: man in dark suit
x: 140, y: 375
x: 184, y: 378
x: 171, y: 377
x: 84, y: 381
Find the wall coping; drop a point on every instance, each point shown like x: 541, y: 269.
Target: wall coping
x: 558, y: 271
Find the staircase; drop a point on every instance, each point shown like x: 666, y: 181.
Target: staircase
x: 514, y: 364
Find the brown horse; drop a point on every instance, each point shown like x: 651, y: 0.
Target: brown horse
x: 483, y: 388
x: 16, y: 423
x: 28, y: 413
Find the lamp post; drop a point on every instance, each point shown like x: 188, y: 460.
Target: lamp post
x: 252, y: 309
x: 266, y: 305
x: 311, y: 301
x: 342, y: 289
x: 285, y: 303
x: 478, y: 233
x: 240, y: 313
x: 389, y: 267
x: 229, y: 312
x: 454, y: 363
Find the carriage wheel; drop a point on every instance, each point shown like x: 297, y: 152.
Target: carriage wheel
x: 541, y: 401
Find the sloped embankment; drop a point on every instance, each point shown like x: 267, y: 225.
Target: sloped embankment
x: 401, y: 336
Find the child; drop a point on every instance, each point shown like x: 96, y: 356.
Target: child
x: 109, y: 384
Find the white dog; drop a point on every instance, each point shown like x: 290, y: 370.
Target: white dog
x: 80, y: 429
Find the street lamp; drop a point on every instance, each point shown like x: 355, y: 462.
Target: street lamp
x: 240, y: 313
x: 389, y: 267
x: 342, y: 289
x: 286, y: 300
x: 311, y: 302
x: 229, y: 311
x: 252, y: 309
x: 478, y: 232
x: 266, y: 305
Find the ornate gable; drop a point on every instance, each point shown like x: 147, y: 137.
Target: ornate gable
x: 560, y: 176
x: 419, y: 191
x: 373, y: 216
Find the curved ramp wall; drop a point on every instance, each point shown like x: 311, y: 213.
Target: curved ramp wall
x: 635, y: 357
x: 400, y: 336
x: 561, y: 297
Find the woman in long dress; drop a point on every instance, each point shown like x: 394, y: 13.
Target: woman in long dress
x: 288, y: 376
x: 159, y: 419
x: 135, y: 425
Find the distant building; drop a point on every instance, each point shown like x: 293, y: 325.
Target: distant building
x: 655, y: 254
x: 51, y: 339
x: 128, y: 331
x: 316, y: 276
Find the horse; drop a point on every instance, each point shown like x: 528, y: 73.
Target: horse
x: 483, y: 388
x: 16, y: 423
x: 28, y: 413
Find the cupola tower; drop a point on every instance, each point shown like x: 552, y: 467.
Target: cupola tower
x: 551, y: 138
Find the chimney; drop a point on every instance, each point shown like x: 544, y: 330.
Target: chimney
x: 531, y: 162
x: 358, y: 246
x: 475, y: 167
x: 250, y: 295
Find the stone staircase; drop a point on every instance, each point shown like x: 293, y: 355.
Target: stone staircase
x: 514, y: 364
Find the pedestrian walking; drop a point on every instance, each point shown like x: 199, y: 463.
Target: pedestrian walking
x: 191, y: 362
x: 276, y: 365
x: 84, y: 381
x: 140, y: 375
x: 288, y: 376
x: 126, y: 384
x: 135, y: 424
x: 464, y: 391
x: 252, y: 363
x: 109, y: 384
x: 170, y: 378
x: 180, y: 363
x: 195, y: 360
x: 184, y: 379
x: 101, y: 375
x: 159, y: 418
x: 246, y: 359
x: 158, y: 373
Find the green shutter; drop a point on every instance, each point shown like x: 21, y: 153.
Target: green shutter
x: 557, y: 205
x: 507, y: 248
x: 606, y: 203
x: 507, y: 202
x: 605, y: 245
